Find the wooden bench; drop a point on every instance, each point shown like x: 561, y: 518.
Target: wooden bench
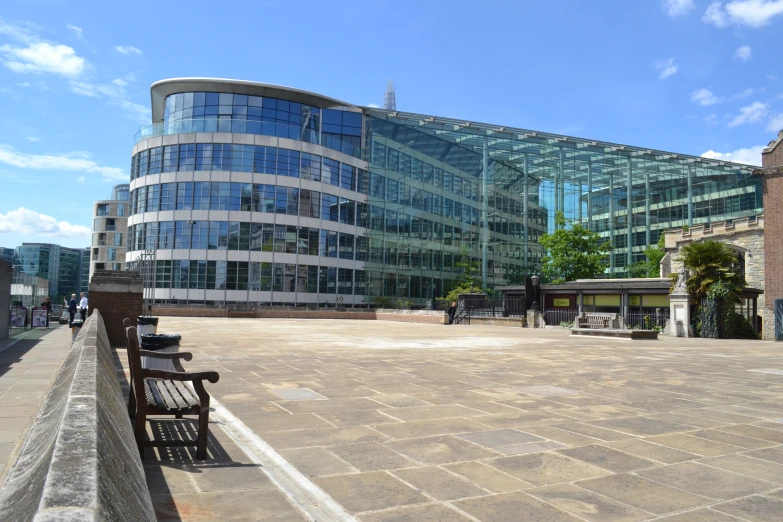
x: 161, y: 393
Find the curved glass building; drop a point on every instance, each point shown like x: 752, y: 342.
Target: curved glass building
x: 255, y: 193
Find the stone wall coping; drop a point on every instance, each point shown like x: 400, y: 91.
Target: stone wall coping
x: 80, y: 460
x: 398, y: 311
x: 675, y: 236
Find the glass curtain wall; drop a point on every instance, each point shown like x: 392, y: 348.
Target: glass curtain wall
x: 428, y: 200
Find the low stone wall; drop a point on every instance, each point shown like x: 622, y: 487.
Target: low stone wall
x: 412, y: 316
x: 263, y: 313
x: 80, y: 460
x: 496, y: 321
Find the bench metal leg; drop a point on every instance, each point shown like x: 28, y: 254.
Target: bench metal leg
x: 203, y: 431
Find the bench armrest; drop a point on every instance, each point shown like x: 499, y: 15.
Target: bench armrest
x: 180, y: 376
x: 166, y: 355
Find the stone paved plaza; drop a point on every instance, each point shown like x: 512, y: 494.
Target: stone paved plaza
x: 417, y: 422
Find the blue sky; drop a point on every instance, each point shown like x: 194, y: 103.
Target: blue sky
x: 690, y: 76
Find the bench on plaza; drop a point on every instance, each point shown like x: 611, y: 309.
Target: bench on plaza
x: 598, y: 320
x: 162, y: 393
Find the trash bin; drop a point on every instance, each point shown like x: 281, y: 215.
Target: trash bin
x: 76, y: 327
x: 165, y: 343
x: 146, y: 324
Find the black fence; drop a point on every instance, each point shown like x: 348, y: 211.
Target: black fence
x: 647, y: 320
x: 557, y: 316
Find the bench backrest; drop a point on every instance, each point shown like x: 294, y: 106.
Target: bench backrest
x: 134, y: 361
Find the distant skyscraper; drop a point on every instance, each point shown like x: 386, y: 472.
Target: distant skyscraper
x: 389, y: 99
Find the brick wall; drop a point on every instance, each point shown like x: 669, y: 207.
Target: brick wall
x: 117, y: 295
x: 413, y: 318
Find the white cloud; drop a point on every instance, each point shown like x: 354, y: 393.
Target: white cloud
x: 43, y: 57
x: 744, y: 94
x: 127, y: 49
x: 76, y: 161
x: 748, y: 156
x: 752, y: 13
x: 374, y: 105
x: 667, y: 68
x: 704, y: 97
x: 32, y: 139
x: 711, y: 119
x: 25, y: 221
x: 115, y: 93
x: 677, y: 7
x: 81, y: 179
x: 21, y: 33
x: 78, y: 31
x: 743, y: 52
x: 775, y: 123
x: 23, y: 84
x: 750, y: 114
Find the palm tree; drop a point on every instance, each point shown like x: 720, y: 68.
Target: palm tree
x: 710, y: 262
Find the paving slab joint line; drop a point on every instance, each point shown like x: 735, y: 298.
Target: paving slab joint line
x: 306, y: 497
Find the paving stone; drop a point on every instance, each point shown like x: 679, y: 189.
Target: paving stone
x: 495, y: 438
x: 607, y: 458
x: 699, y: 515
x: 644, y: 494
x: 756, y: 432
x: 588, y: 505
x: 593, y: 431
x: 440, y: 450
x: 754, y: 508
x: 369, y: 491
x: 563, y: 436
x: 650, y: 450
x: 329, y: 405
x: 489, y: 407
x: 756, y: 468
x: 641, y: 426
x: 543, y: 469
x: 696, y: 445
x: 706, y: 481
x: 521, y: 420
x: 487, y: 477
x: 771, y: 454
x: 512, y: 507
x: 531, y: 447
x: 324, y: 437
x: 297, y: 394
x: 234, y: 506
x: 316, y: 462
x: 371, y: 457
x: 398, y: 401
x: 356, y: 418
x: 408, y: 430
x: 438, y: 483
x: 545, y: 391
x: 733, y: 439
x: 446, y: 411
x: 422, y: 513
x: 303, y: 421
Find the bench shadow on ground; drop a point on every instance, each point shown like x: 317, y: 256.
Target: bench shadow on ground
x: 174, y: 474
x: 14, y: 354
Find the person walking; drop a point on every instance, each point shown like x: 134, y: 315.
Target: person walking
x: 47, y: 305
x: 452, y: 311
x: 71, y: 310
x: 83, y: 307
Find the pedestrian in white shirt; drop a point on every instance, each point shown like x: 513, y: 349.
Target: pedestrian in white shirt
x: 83, y: 307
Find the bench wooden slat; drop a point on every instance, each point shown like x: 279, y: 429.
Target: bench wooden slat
x: 181, y: 394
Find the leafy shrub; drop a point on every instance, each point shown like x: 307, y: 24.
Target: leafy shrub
x: 566, y: 324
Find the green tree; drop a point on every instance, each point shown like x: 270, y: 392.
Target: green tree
x: 708, y: 263
x: 468, y: 280
x: 573, y: 252
x: 651, y: 265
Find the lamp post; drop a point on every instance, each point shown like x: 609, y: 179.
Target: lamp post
x: 535, y: 281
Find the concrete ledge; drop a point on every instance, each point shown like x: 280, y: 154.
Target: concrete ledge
x: 80, y: 460
x: 626, y: 334
x: 412, y: 316
x: 514, y: 322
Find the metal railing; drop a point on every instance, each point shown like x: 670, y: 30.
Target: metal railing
x: 647, y: 320
x: 557, y: 316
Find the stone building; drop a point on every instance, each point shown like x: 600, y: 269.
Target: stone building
x: 772, y: 175
x: 746, y: 237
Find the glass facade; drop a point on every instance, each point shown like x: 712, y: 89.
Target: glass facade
x: 402, y: 200
x: 62, y: 266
